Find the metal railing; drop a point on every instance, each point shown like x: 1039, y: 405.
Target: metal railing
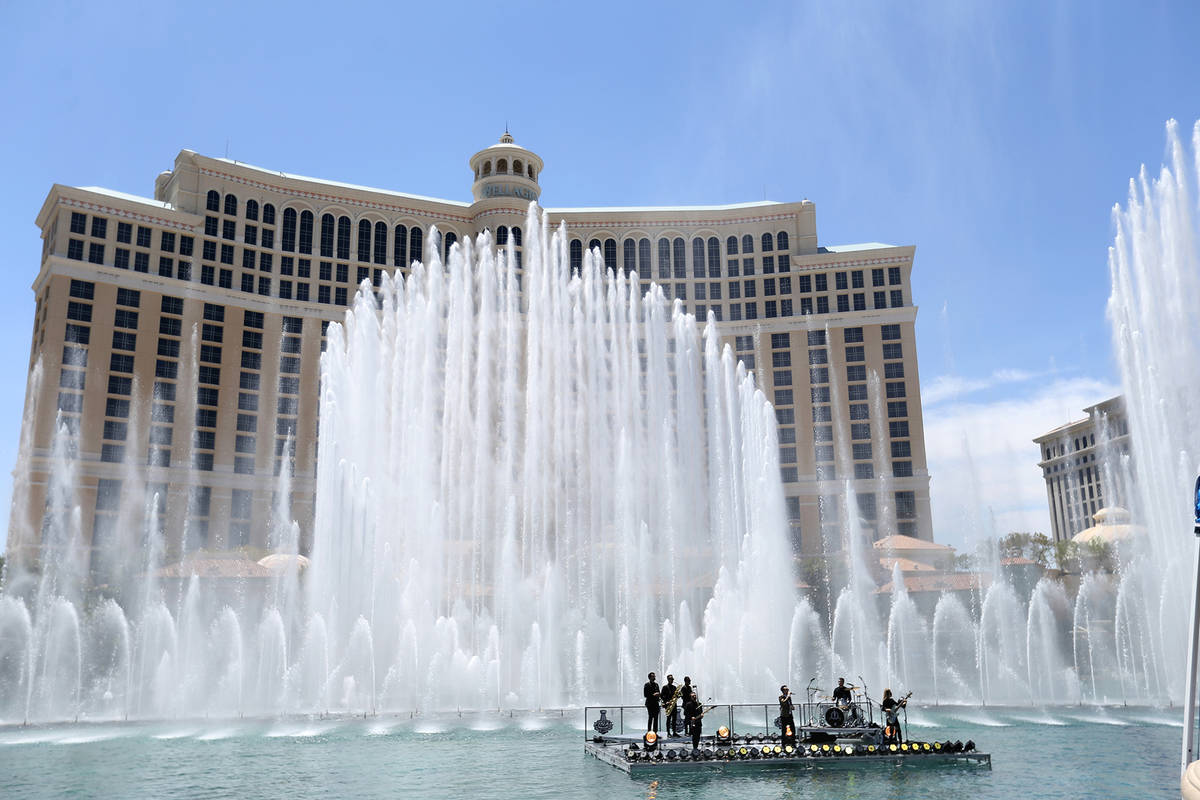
x: 742, y: 719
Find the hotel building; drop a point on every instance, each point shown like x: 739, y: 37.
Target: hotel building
x: 179, y: 337
x: 1086, y: 464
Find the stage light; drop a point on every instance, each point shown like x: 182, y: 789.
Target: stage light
x: 723, y: 734
x: 650, y: 740
x: 904, y: 747
x: 926, y: 747
x: 825, y: 749
x: 791, y: 751
x: 870, y: 748
x: 672, y: 754
x: 848, y: 749
x: 937, y: 746
x: 743, y: 751
x: 658, y: 756
x: 893, y: 748
x: 812, y: 748
x: 837, y: 748
x: 777, y: 749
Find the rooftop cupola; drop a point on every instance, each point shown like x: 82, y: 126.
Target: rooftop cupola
x: 506, y: 170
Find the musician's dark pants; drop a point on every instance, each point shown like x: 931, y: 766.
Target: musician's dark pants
x: 696, y: 726
x: 786, y: 722
x: 673, y: 722
x: 652, y: 718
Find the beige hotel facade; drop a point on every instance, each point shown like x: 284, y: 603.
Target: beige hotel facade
x: 179, y: 337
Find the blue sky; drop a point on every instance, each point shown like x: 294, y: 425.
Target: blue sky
x: 995, y: 137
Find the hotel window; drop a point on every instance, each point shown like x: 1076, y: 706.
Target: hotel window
x: 733, y: 268
x: 823, y: 305
x: 124, y: 233
x: 856, y: 279
x: 380, y: 251
x: 288, y: 242
x: 769, y: 287
x: 860, y: 301
x: 327, y: 228
x: 264, y: 286
x: 820, y: 282
x: 783, y: 397
x: 860, y: 430
x: 268, y: 216
x: 629, y: 256
x: 747, y: 266
x: 889, y: 332
x: 141, y: 262
x: 343, y: 237
x: 229, y: 230
x: 747, y: 244
x: 897, y: 298
x: 856, y: 372
x: 856, y: 391
x: 731, y: 246
x: 818, y: 375
x: 247, y: 283
x: 285, y: 290
x: 816, y: 357
x: 78, y: 222
x: 839, y: 280
x: 898, y: 408
x: 252, y: 210
x: 735, y: 311
x: 785, y: 416
x: 749, y: 289
x: 302, y: 292
x: 895, y: 389
x: 894, y: 276
x: 339, y: 296
x: 701, y: 291
x: 856, y: 353
x: 99, y: 227
x: 893, y: 370
x: 364, y: 240
x: 714, y: 257
x: 902, y: 469
x: 95, y: 253
x: 843, y: 303
x: 880, y: 299
x: 864, y: 471
x: 899, y: 430
x: 783, y: 377
x: 820, y: 394
x: 787, y: 435
x: 698, y: 257
x: 822, y: 414
x: 781, y: 241
x: 664, y: 259
x: 862, y: 451
x: 250, y: 235
x: 75, y: 249
x: 902, y: 449
x: 877, y: 277
x: 768, y: 263
x: 265, y: 262
x: 415, y: 244
x: 859, y: 411
x: 892, y: 350
x: 306, y: 232
x: 679, y: 260
x: 231, y: 203
x: 768, y: 243
x: 213, y: 201
x: 751, y: 311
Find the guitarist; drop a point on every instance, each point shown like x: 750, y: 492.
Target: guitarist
x: 891, y: 712
x: 694, y: 710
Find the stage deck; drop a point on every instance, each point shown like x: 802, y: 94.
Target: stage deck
x: 613, y: 753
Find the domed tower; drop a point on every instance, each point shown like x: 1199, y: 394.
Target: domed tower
x: 506, y: 170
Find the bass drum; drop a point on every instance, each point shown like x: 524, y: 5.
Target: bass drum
x: 835, y: 717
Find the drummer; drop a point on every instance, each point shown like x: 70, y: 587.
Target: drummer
x: 841, y: 695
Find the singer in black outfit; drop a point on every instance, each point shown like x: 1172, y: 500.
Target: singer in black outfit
x: 650, y: 691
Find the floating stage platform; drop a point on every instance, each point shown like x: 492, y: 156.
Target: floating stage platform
x: 815, y: 748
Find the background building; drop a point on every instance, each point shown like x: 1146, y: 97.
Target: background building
x: 1087, y: 467
x: 179, y: 337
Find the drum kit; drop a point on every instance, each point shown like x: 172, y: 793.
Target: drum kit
x: 827, y: 711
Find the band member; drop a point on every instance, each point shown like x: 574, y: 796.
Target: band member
x: 695, y: 719
x: 787, y: 719
x: 670, y: 703
x: 891, y: 711
x: 841, y: 695
x: 686, y: 693
x: 650, y: 691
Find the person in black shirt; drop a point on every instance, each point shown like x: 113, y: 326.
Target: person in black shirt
x: 686, y: 693
x: 891, y: 712
x: 841, y: 695
x: 787, y: 719
x: 670, y: 703
x: 695, y: 719
x: 650, y: 691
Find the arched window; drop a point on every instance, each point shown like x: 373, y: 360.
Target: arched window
x: 768, y: 243
x: 414, y: 244
x: 697, y: 257
x: 252, y: 210
x: 327, y: 225
x: 502, y: 166
x: 502, y: 236
x: 516, y: 235
x: 477, y: 173
x: 306, y: 232
x: 518, y: 167
x: 343, y: 237
x: 531, y: 176
x: 680, y: 258
x: 747, y: 244
x: 664, y: 259
x: 231, y: 205
x: 643, y: 265
x: 451, y: 238
x: 214, y: 200
x: 610, y: 254
x: 576, y: 256
x: 594, y: 244
x: 714, y: 257
x: 629, y: 246
x: 487, y: 168
x: 289, y: 230
x: 268, y: 214
x: 400, y: 247
x: 364, y: 240
x: 380, y: 242
x: 731, y: 246
x: 781, y: 240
